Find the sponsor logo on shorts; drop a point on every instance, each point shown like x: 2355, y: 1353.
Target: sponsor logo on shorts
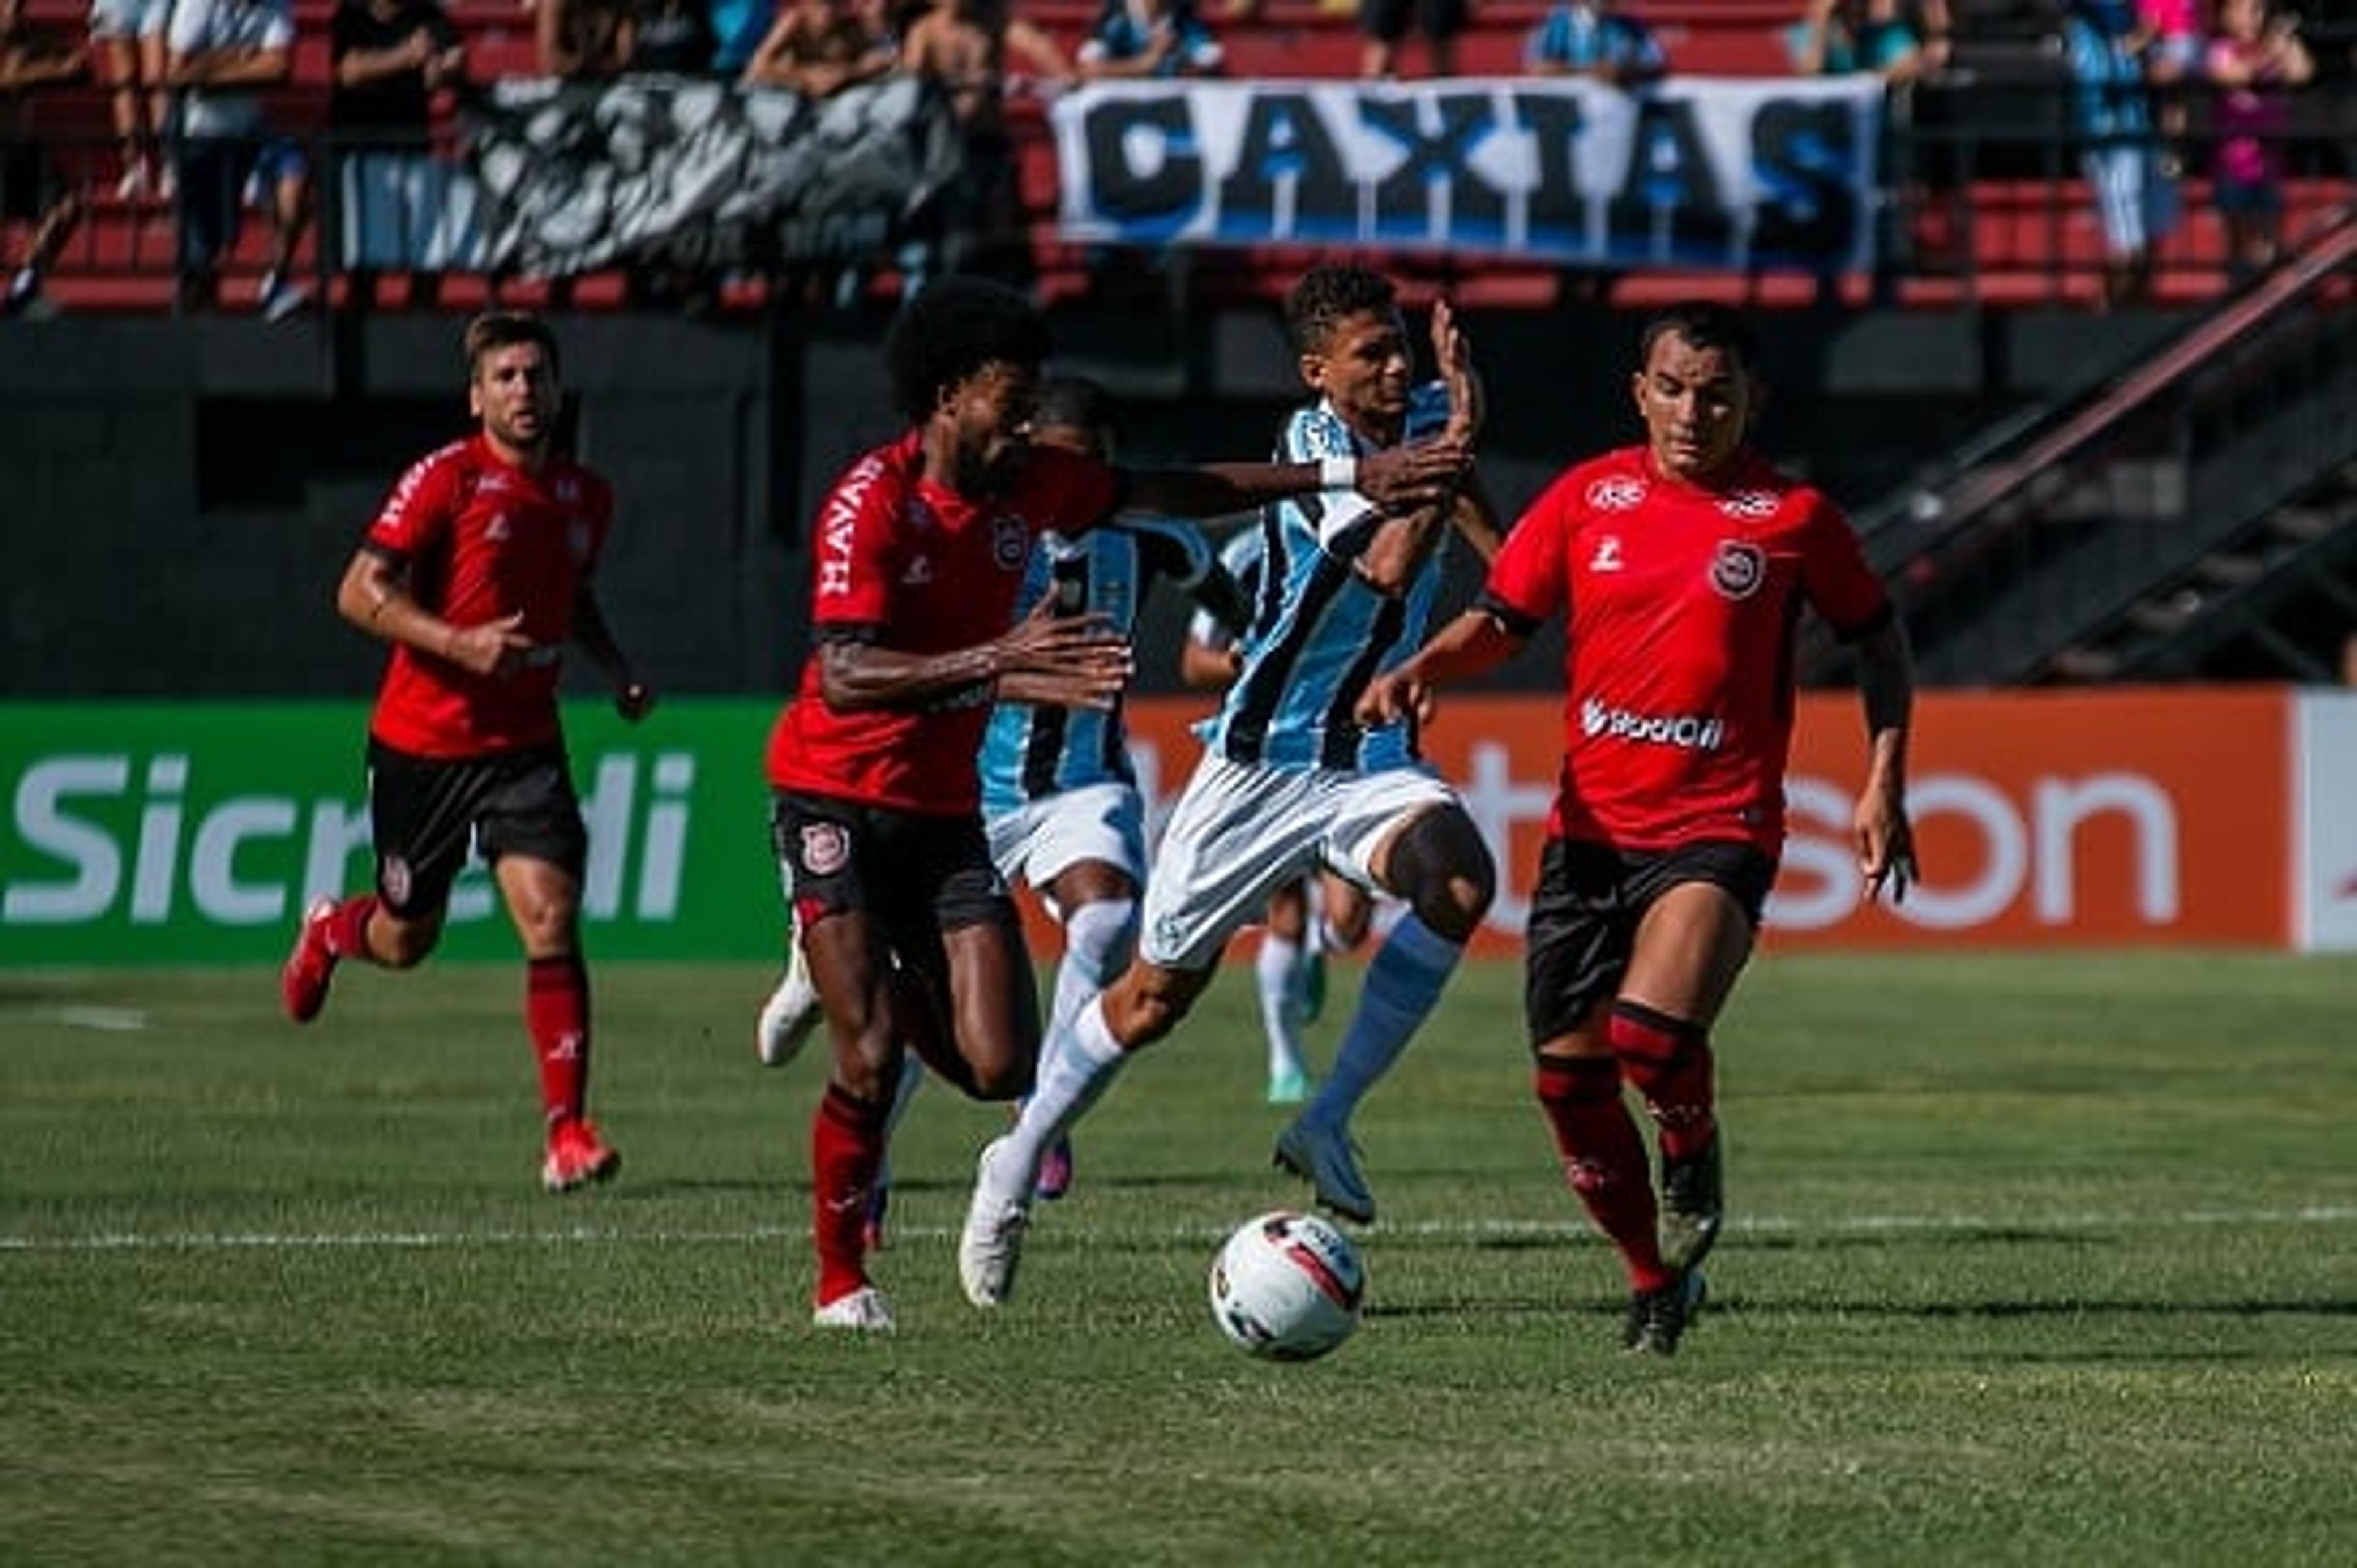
x: 1689, y: 732
x: 397, y: 879
x: 1739, y: 568
x: 826, y: 848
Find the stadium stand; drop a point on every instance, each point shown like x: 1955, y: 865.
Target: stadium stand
x: 1979, y: 217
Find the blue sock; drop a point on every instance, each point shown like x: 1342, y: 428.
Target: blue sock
x: 1403, y: 983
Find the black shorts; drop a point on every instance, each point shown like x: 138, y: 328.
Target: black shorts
x: 1584, y: 910
x: 915, y: 875
x: 425, y: 812
x: 1388, y: 19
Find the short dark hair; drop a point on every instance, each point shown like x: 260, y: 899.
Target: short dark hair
x: 957, y: 325
x: 1704, y: 324
x: 1074, y: 402
x: 1325, y: 295
x: 495, y: 329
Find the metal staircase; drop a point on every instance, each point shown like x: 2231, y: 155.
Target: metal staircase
x: 2190, y: 515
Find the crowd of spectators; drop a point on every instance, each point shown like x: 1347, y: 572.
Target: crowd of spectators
x: 186, y: 82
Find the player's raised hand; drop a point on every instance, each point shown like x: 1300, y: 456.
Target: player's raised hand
x: 1452, y: 355
x: 493, y: 647
x: 1406, y: 478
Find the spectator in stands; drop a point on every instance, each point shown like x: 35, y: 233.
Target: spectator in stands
x: 1846, y: 37
x: 674, y: 38
x: 967, y: 46
x: 817, y: 47
x: 221, y: 55
x: 1384, y: 23
x: 2256, y: 54
x: 1149, y: 38
x: 585, y: 40
x: 1937, y: 29
x: 1600, y: 41
x: 2136, y: 200
x: 2169, y: 36
x: 30, y: 189
x: 387, y: 60
x: 129, y: 36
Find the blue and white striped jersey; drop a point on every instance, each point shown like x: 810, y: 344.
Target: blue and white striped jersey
x: 1032, y: 751
x: 1319, y: 634
x: 1240, y: 557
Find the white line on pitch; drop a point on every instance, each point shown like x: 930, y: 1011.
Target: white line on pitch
x: 1569, y: 1227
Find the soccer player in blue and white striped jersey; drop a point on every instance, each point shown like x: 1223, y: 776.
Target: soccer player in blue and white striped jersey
x: 1290, y: 781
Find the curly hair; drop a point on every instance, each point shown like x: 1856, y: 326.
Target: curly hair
x: 1326, y: 294
x: 1704, y: 325
x: 952, y: 331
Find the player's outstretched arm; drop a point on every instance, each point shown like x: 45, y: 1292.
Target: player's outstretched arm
x: 1067, y: 661
x: 1472, y: 644
x: 1397, y: 479
x: 1885, y: 837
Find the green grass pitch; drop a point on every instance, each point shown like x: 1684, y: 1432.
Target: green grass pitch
x: 2031, y: 1259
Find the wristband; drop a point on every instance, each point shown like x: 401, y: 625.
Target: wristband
x: 1337, y: 473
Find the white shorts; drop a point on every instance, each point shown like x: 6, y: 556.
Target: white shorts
x: 128, y: 18
x: 1241, y: 831
x: 1095, y: 822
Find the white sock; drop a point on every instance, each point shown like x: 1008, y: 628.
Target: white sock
x: 1075, y: 1067
x: 1098, y: 938
x: 1403, y: 984
x: 1277, y: 970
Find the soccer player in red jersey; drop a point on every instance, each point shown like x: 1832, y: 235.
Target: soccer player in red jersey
x: 1681, y: 567
x: 918, y: 552
x: 477, y: 572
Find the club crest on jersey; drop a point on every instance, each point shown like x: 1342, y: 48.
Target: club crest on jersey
x: 920, y: 515
x: 1738, y: 568
x: 1752, y: 506
x: 1010, y: 542
x: 1618, y: 492
x: 826, y: 848
x: 568, y: 490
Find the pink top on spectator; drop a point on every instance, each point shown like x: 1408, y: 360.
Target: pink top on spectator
x: 2250, y: 119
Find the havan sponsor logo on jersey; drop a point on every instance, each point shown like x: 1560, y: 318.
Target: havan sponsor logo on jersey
x: 1689, y: 732
x: 839, y: 521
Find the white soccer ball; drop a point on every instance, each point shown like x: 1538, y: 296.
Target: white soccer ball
x: 1287, y: 1286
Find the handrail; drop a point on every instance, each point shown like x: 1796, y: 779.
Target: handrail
x: 1923, y: 520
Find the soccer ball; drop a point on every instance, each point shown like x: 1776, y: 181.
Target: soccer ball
x: 1287, y: 1286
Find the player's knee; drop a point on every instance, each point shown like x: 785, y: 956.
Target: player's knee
x: 1443, y: 868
